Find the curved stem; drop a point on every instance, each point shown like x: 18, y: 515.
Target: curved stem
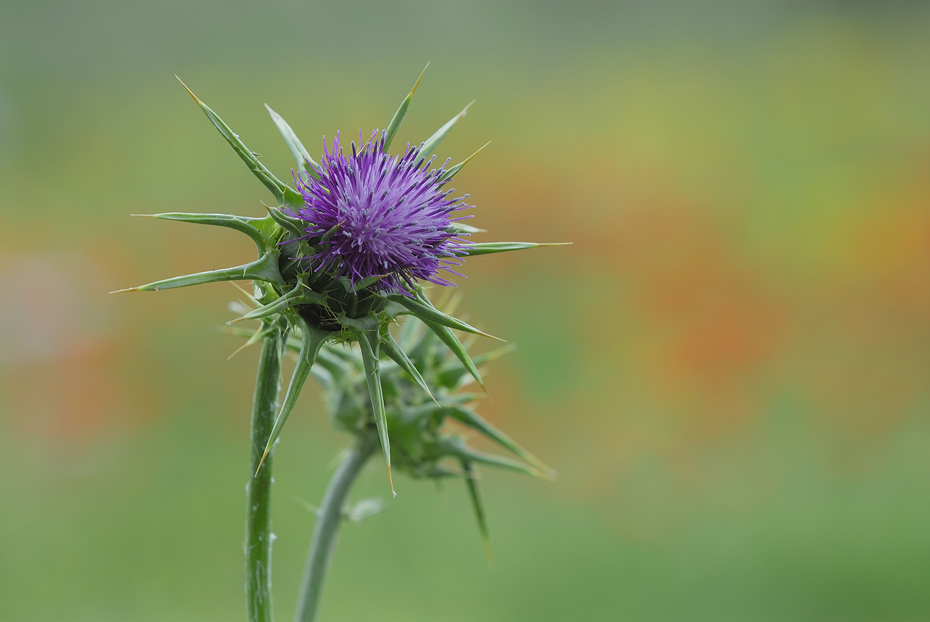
x: 327, y: 526
x: 258, y: 534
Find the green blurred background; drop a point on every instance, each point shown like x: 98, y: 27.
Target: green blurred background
x: 729, y: 368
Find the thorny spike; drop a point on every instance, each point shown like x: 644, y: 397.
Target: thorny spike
x: 430, y: 143
x: 398, y: 355
x: 280, y: 190
x: 257, y: 336
x: 426, y: 312
x: 368, y: 343
x: 452, y: 342
x: 456, y: 447
x: 293, y: 143
x: 265, y: 268
x: 473, y: 420
x: 488, y: 248
x: 452, y: 172
x: 471, y: 482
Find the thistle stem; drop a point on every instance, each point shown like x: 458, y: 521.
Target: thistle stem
x: 258, y: 536
x: 327, y: 526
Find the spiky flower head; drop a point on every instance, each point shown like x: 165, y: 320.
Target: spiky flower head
x: 384, y: 216
x: 340, y: 256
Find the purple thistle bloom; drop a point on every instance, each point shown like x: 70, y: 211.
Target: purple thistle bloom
x: 378, y: 215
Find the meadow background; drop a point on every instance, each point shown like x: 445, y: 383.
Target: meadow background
x: 729, y: 368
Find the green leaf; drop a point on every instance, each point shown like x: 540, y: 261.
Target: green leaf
x: 368, y: 342
x: 452, y: 342
x: 401, y: 112
x: 424, y: 310
x: 277, y: 188
x: 489, y: 248
x: 430, y: 144
x: 456, y: 447
x: 398, y: 355
x: 239, y: 223
x: 311, y: 340
x: 473, y: 420
x: 293, y: 143
x: 265, y: 268
x: 471, y: 482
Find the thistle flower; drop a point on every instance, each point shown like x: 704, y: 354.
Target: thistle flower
x: 383, y: 216
x: 340, y: 257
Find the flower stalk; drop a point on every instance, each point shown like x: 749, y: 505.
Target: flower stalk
x: 330, y: 517
x: 258, y: 536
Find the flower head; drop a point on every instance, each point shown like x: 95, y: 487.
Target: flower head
x: 378, y: 215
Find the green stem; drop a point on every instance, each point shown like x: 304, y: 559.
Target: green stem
x: 327, y: 526
x: 258, y: 534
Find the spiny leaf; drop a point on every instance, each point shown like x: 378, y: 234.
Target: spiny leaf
x: 265, y: 268
x: 456, y: 447
x: 398, y: 355
x: 300, y: 295
x: 452, y: 342
x: 277, y: 188
x: 488, y: 248
x: 452, y: 172
x: 424, y: 310
x: 239, y: 223
x: 278, y: 305
x: 401, y: 112
x: 293, y: 225
x: 293, y: 143
x: 311, y: 339
x: 471, y: 482
x: 430, y: 144
x: 368, y: 342
x: 473, y: 420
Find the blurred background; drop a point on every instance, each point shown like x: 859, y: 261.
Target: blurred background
x: 729, y: 368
